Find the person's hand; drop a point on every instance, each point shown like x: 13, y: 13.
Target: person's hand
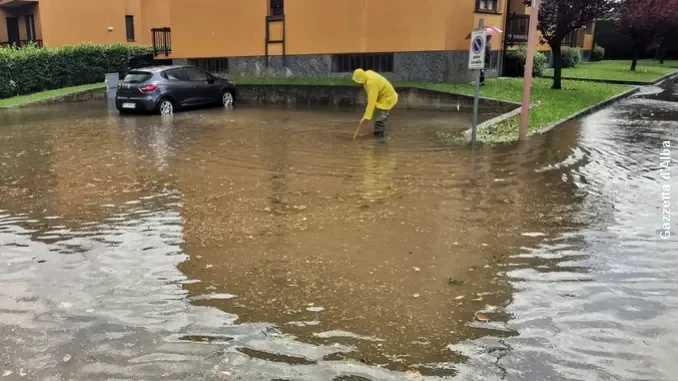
x: 360, y: 124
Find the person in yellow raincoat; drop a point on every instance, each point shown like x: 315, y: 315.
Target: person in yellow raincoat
x: 381, y: 98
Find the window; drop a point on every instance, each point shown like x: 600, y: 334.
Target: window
x: 487, y: 5
x: 30, y: 28
x: 175, y: 75
x: 346, y: 63
x: 277, y: 7
x: 213, y: 65
x: 137, y: 77
x: 129, y: 25
x: 195, y: 74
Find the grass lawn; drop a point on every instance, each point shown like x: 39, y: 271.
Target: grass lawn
x: 647, y: 70
x: 20, y: 99
x: 550, y: 105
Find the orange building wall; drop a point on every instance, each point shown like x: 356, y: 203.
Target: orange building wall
x: 214, y: 28
x: 492, y: 20
x: 154, y: 14
x: 94, y: 19
x: 97, y: 16
x: 319, y: 27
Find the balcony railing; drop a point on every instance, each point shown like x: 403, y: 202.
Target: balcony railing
x: 162, y: 41
x: 21, y: 43
x: 517, y: 29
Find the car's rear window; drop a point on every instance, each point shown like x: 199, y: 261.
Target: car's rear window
x: 137, y: 77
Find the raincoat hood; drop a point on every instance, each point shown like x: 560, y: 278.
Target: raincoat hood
x: 360, y: 76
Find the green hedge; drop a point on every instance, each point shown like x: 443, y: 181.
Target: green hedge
x: 515, y: 63
x: 571, y: 57
x: 31, y: 69
x: 598, y: 53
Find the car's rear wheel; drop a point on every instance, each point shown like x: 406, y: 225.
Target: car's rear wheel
x: 165, y: 107
x: 227, y: 99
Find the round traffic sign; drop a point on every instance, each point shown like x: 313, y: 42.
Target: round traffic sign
x: 478, y: 44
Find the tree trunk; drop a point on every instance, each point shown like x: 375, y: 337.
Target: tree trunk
x: 557, y: 66
x: 661, y: 51
x: 634, y: 63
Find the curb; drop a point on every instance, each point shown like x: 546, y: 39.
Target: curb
x: 96, y: 93
x: 620, y: 82
x: 589, y: 110
x: 665, y: 78
x: 513, y: 113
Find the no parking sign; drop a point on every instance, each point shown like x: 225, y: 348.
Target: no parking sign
x: 476, y: 59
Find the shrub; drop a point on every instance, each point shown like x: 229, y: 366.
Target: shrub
x: 598, y: 53
x: 31, y: 69
x: 571, y: 57
x: 515, y: 63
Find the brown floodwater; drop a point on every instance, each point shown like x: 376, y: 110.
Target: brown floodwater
x: 265, y: 244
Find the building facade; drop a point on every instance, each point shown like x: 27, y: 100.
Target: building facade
x: 65, y: 22
x: 423, y: 40
x: 407, y: 40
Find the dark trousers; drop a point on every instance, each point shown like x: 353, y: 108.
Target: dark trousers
x: 482, y: 76
x: 380, y: 120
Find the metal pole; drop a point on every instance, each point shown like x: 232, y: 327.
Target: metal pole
x: 529, y: 66
x: 474, y: 129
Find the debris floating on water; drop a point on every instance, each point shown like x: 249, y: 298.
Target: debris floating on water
x: 533, y: 234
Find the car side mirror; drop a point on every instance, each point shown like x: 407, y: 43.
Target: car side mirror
x: 210, y: 80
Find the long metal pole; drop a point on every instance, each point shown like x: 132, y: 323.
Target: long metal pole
x: 474, y: 129
x: 529, y: 66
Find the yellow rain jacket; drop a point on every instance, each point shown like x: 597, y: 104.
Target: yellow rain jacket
x: 380, y: 92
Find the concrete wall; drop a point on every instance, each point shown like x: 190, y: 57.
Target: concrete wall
x: 82, y: 96
x: 352, y: 96
x: 432, y: 66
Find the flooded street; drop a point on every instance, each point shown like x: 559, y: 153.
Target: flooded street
x: 265, y: 244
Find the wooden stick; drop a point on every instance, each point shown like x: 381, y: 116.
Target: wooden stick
x: 357, y: 130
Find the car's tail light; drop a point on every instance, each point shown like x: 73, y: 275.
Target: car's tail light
x: 148, y: 88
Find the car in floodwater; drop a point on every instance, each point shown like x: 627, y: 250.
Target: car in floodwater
x: 166, y: 89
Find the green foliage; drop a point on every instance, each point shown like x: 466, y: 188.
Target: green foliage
x: 30, y: 69
x: 571, y: 57
x: 598, y: 53
x: 515, y: 63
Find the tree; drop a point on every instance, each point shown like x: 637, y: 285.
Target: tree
x: 558, y: 18
x: 647, y: 22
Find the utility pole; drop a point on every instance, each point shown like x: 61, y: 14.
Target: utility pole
x: 529, y: 66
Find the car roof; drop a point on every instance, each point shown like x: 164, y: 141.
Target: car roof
x: 157, y: 69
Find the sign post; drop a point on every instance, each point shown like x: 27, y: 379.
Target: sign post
x: 529, y: 66
x: 476, y: 62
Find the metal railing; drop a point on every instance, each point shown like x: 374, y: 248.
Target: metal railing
x: 21, y: 43
x: 162, y: 41
x: 517, y: 29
